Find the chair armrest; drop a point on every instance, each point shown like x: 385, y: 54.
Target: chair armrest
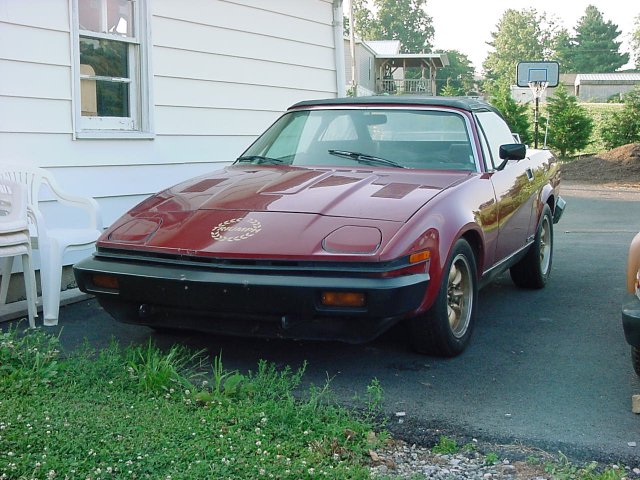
x: 86, y: 203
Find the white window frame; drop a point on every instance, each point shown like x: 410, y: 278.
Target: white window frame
x: 140, y: 122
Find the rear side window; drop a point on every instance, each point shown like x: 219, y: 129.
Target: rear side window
x: 497, y: 133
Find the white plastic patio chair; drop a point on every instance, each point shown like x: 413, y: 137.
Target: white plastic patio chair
x: 53, y: 242
x: 16, y: 241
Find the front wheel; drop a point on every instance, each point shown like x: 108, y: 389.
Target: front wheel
x: 534, y: 269
x: 445, y: 330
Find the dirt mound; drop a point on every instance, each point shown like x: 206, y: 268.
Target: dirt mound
x: 625, y: 154
x: 620, y: 166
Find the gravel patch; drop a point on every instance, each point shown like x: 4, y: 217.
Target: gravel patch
x: 400, y: 460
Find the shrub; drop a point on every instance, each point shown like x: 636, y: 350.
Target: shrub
x: 623, y: 127
x: 570, y: 126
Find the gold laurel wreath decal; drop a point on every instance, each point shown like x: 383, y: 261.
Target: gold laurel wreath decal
x: 218, y: 232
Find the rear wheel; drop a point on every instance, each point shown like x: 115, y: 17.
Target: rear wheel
x: 534, y: 269
x: 446, y: 328
x: 635, y: 359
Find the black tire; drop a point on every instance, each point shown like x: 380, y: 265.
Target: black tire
x: 635, y: 359
x: 446, y: 328
x: 534, y: 269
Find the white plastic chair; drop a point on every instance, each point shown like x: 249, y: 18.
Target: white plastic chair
x: 53, y: 242
x: 16, y: 241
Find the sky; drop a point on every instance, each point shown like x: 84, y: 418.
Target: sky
x: 466, y: 25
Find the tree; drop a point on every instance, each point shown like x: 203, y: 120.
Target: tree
x: 522, y: 35
x: 404, y: 20
x: 514, y: 113
x: 363, y: 20
x: 594, y: 48
x: 635, y: 42
x: 563, y: 51
x: 457, y: 76
x: 570, y: 126
x: 449, y: 90
x: 623, y: 127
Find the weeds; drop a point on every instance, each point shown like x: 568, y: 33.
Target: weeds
x: 227, y: 383
x: 157, y: 371
x: 375, y: 396
x: 446, y: 446
x: 491, y: 458
x: 563, y: 469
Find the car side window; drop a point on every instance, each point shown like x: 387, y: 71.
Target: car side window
x: 497, y: 133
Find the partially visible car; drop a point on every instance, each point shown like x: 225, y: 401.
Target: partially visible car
x: 631, y: 303
x: 345, y: 217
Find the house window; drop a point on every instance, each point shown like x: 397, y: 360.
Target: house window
x: 111, y: 68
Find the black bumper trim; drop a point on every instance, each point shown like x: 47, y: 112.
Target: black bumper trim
x: 202, y: 298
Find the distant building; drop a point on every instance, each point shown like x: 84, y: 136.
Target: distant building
x: 365, y: 67
x: 602, y: 87
x: 382, y: 69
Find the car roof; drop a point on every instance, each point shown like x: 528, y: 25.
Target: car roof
x: 463, y: 103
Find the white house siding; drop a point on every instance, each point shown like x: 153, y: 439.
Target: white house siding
x: 222, y: 71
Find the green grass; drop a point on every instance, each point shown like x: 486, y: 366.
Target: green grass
x: 138, y: 412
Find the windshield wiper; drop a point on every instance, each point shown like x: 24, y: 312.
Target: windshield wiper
x: 259, y: 159
x: 365, y: 158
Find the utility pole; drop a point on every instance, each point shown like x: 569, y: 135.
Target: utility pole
x: 352, y: 48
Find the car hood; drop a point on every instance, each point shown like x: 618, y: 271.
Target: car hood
x: 380, y: 194
x: 280, y: 212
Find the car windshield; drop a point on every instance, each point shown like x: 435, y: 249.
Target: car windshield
x: 389, y: 138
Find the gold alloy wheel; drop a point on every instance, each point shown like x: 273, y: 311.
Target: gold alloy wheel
x: 459, y: 296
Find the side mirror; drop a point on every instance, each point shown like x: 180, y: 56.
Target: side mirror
x: 511, y: 151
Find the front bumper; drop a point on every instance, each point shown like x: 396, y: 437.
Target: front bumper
x: 631, y: 319
x: 249, y: 302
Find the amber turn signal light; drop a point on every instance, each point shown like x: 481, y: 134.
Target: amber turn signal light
x: 105, y: 281
x: 419, y: 256
x: 343, y: 299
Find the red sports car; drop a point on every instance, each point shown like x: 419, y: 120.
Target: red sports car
x: 344, y: 218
